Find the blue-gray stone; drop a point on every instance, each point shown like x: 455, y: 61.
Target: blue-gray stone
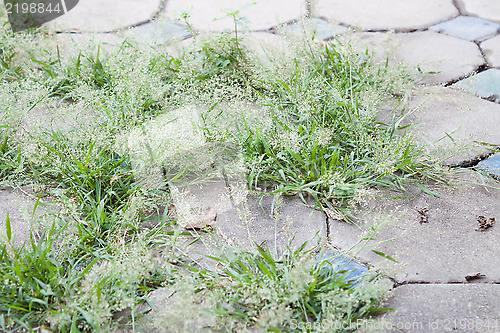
x: 491, y: 165
x: 485, y: 84
x: 323, y: 29
x: 470, y: 28
x: 158, y: 32
x: 339, y: 264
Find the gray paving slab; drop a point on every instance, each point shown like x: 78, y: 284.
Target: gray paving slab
x: 485, y: 84
x: 441, y: 244
x: 443, y: 58
x: 386, y: 14
x: 491, y: 49
x: 244, y: 219
x: 466, y: 27
x: 486, y: 9
x: 444, y: 308
x: 110, y: 15
x: 261, y: 15
x: 451, y: 124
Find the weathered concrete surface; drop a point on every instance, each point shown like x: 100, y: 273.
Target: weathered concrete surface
x: 386, y: 14
x: 491, y: 49
x: 449, y: 58
x: 452, y: 124
x: 440, y: 245
x: 486, y: 9
x: 444, y: 308
x: 260, y: 15
x: 110, y: 15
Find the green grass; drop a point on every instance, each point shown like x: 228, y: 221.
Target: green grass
x: 302, y: 121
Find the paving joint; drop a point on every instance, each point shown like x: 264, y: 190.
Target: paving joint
x: 459, y: 6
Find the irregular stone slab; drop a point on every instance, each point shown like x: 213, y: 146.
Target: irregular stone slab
x: 470, y: 28
x: 433, y: 239
x: 110, y: 15
x: 444, y: 308
x: 158, y: 32
x: 486, y: 9
x: 452, y: 124
x: 322, y: 29
x: 443, y: 57
x: 491, y: 49
x: 485, y: 84
x: 491, y: 165
x: 262, y: 15
x: 386, y: 14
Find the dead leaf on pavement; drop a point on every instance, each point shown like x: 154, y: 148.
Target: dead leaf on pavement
x: 484, y: 223
x: 474, y: 276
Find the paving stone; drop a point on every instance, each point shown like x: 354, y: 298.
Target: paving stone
x: 158, y: 32
x: 386, y: 14
x: 444, y: 247
x: 491, y: 165
x: 452, y: 124
x: 450, y: 58
x: 486, y: 9
x: 484, y: 84
x: 491, y: 49
x: 444, y: 308
x: 466, y: 27
x: 110, y: 15
x: 261, y: 15
x: 322, y: 29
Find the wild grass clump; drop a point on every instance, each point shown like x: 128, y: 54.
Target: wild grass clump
x: 254, y: 291
x: 301, y: 121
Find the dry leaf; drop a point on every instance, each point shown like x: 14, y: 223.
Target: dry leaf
x: 474, y: 276
x: 484, y: 223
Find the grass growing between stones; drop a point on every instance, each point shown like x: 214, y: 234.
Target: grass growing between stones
x: 295, y: 121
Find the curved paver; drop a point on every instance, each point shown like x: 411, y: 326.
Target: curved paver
x: 386, y: 14
x: 448, y: 57
x: 452, y: 124
x: 486, y: 9
x: 262, y: 15
x: 98, y: 15
x: 491, y: 49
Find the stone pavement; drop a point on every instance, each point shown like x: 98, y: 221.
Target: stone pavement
x: 456, y: 43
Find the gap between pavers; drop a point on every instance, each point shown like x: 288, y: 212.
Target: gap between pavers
x: 443, y: 308
x: 441, y: 243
